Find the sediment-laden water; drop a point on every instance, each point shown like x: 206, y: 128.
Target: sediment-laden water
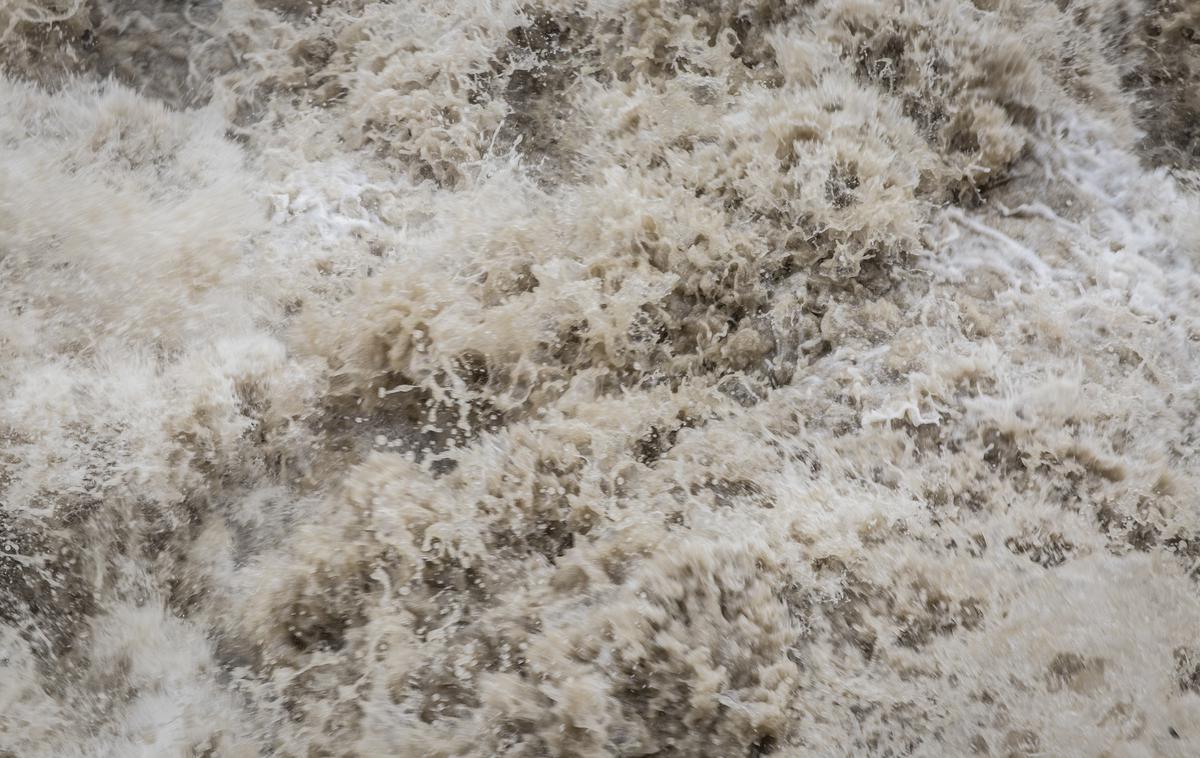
x: 599, y: 378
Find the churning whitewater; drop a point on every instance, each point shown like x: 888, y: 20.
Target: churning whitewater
x: 599, y: 378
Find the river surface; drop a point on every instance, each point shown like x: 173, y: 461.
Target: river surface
x: 599, y: 378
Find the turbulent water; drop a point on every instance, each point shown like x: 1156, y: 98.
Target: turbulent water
x: 599, y: 378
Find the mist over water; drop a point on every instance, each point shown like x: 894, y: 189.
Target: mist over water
x: 599, y: 378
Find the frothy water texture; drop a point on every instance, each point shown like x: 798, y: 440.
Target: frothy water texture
x: 599, y: 378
